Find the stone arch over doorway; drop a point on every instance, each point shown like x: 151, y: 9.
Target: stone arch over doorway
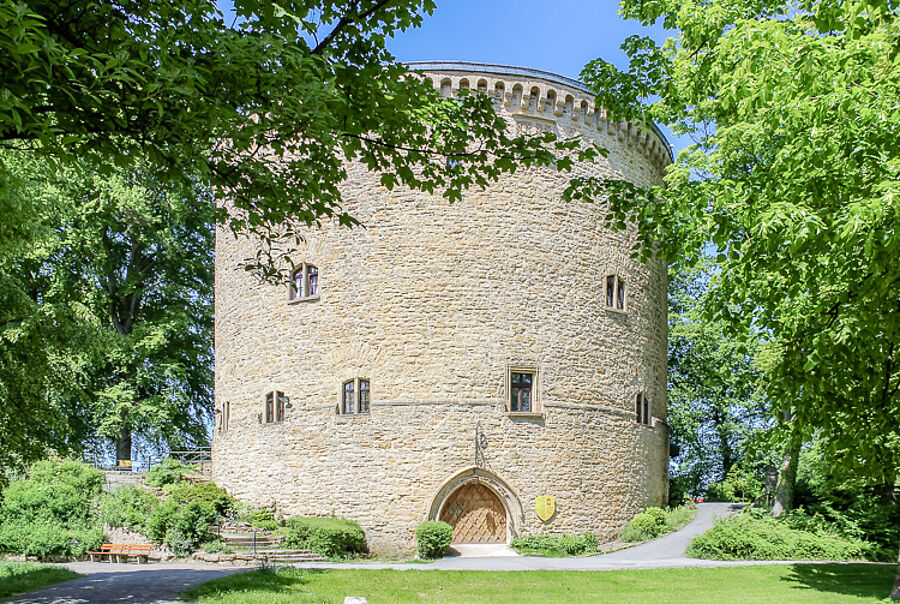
x: 512, y: 507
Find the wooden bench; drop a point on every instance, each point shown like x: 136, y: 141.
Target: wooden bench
x: 119, y: 551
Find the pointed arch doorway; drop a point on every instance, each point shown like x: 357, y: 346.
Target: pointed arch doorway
x: 476, y: 514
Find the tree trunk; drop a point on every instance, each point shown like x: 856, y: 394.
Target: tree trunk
x: 123, y: 445
x: 784, y: 492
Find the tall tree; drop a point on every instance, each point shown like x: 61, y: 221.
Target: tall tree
x: 130, y: 260
x: 795, y: 176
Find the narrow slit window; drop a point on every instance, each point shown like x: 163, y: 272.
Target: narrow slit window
x: 363, y: 396
x: 348, y: 397
x: 615, y: 293
x: 620, y: 294
x: 270, y: 407
x: 610, y: 290
x: 312, y: 281
x: 642, y: 409
x: 280, y: 399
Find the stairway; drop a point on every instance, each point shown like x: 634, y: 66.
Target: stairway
x: 259, y: 545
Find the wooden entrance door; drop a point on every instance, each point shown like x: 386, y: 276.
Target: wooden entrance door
x: 476, y: 514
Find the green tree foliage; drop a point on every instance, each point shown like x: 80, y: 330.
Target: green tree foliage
x: 714, y: 402
x: 266, y: 106
x: 794, y: 178
x: 116, y: 286
x: 51, y: 512
x: 794, y: 175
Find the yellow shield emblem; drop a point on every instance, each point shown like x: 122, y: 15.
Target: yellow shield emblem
x: 545, y: 506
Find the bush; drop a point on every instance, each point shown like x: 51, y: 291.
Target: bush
x: 649, y: 524
x: 331, y: 537
x: 45, y: 538
x: 182, y: 528
x: 55, y: 490
x: 755, y: 535
x: 171, y: 471
x: 206, y: 492
x: 655, y: 522
x: 263, y: 519
x: 571, y: 545
x: 50, y: 513
x: 432, y: 539
x: 129, y: 507
x: 161, y: 519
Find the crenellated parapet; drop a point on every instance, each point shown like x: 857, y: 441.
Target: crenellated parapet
x: 544, y: 96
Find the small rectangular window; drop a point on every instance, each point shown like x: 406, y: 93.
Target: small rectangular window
x: 615, y: 293
x: 304, y: 282
x: 520, y: 392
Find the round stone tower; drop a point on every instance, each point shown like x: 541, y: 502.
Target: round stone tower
x: 456, y: 361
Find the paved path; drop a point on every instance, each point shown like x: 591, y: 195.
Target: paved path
x: 161, y: 583
x: 666, y: 552
x: 132, y: 583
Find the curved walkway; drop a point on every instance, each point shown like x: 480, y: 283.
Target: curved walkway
x: 161, y: 583
x: 665, y: 552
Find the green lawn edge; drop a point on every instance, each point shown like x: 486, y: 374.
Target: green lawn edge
x: 758, y: 584
x: 22, y: 577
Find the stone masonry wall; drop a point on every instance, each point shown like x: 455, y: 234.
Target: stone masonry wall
x: 433, y: 302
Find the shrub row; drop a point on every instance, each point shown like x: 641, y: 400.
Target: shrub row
x: 331, y: 537
x: 572, y: 545
x: 755, y: 535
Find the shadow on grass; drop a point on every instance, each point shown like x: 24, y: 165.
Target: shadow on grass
x: 21, y: 577
x: 270, y: 580
x: 861, y: 580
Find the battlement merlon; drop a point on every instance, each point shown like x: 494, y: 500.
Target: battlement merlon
x: 543, y: 95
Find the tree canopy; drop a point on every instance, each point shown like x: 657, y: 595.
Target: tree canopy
x: 794, y: 176
x: 266, y: 109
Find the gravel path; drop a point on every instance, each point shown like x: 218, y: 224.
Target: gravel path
x: 161, y: 583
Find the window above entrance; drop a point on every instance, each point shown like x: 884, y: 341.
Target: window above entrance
x: 522, y: 390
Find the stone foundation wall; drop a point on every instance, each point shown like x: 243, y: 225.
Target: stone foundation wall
x: 433, y: 303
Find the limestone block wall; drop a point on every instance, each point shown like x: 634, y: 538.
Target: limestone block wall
x: 433, y: 303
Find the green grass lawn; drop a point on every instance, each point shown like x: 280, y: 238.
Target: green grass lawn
x: 19, y: 577
x: 819, y: 584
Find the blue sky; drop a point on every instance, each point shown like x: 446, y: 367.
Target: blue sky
x: 554, y: 35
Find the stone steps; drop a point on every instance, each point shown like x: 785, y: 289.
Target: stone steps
x: 284, y: 556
